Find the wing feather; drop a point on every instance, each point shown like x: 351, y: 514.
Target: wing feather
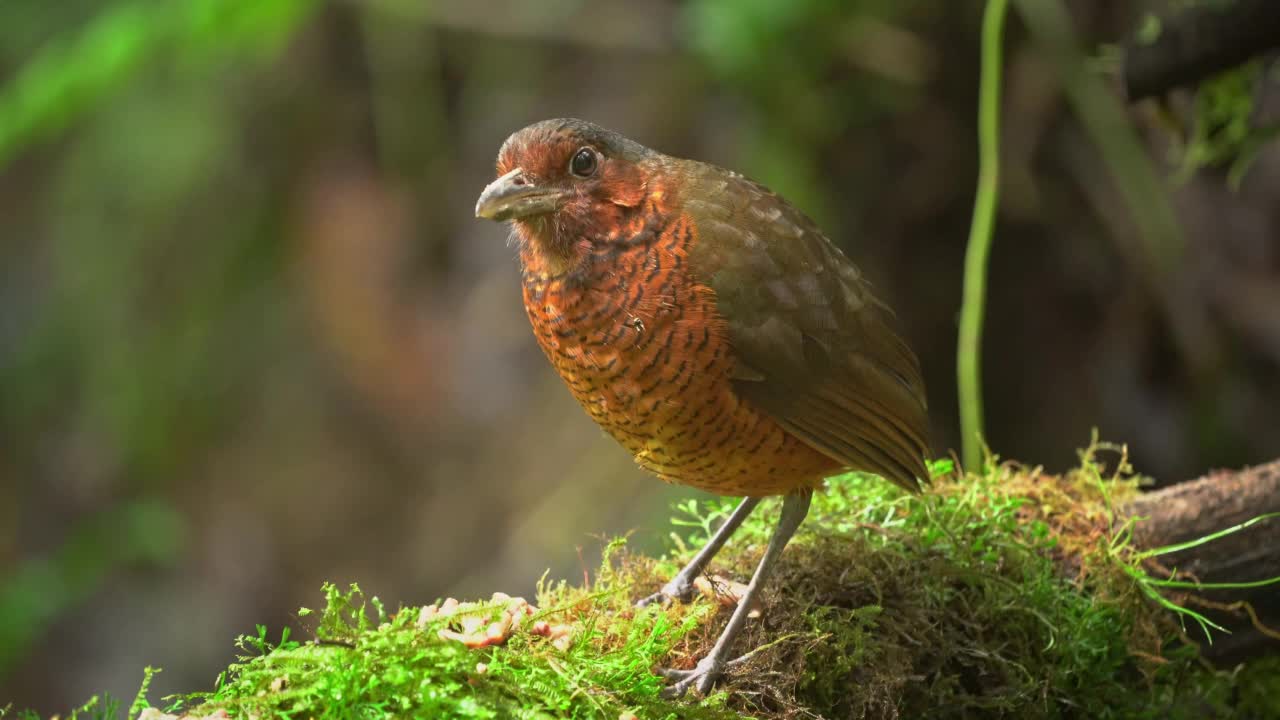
x: 815, y: 348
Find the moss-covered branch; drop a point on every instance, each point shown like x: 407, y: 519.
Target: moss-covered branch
x: 1013, y: 593
x: 1198, y: 508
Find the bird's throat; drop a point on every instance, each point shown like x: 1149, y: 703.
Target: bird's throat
x: 545, y: 248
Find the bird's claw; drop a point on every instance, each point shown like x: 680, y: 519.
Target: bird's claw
x: 704, y: 676
x: 677, y: 590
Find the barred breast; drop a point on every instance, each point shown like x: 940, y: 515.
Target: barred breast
x: 641, y: 346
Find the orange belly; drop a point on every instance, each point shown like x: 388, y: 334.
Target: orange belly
x: 642, y: 348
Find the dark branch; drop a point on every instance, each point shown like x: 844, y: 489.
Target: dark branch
x: 1199, y: 42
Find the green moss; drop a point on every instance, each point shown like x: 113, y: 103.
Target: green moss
x: 1006, y: 594
x: 368, y: 663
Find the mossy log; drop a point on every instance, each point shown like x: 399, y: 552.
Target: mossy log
x: 1197, y: 508
x: 1008, y: 593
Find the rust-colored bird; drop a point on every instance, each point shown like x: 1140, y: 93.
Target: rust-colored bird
x: 708, y: 326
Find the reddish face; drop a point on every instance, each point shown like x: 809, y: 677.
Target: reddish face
x: 567, y: 184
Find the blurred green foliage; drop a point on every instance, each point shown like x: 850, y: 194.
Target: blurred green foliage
x: 40, y: 590
x: 73, y: 73
x: 130, y: 177
x: 99, y: 338
x: 1225, y: 131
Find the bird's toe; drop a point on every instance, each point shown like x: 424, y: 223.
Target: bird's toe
x: 674, y: 591
x: 658, y: 598
x: 676, y: 691
x: 704, y: 677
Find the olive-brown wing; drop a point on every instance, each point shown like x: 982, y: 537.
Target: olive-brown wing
x: 814, y: 348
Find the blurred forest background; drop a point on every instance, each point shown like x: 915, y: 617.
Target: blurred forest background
x: 251, y: 337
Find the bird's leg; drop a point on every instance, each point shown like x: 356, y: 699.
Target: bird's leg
x: 711, y: 667
x: 680, y: 587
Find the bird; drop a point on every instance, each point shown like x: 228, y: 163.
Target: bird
x: 712, y: 329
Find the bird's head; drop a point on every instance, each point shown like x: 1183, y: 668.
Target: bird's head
x: 567, y: 184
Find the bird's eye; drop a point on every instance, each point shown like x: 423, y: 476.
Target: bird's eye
x: 583, y: 163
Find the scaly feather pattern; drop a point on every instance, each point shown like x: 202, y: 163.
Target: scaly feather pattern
x: 641, y: 346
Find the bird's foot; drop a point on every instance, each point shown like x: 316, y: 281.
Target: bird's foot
x: 709, y: 670
x: 680, y: 589
x: 703, y: 676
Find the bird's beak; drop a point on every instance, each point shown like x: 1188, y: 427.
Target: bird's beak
x: 514, y: 196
